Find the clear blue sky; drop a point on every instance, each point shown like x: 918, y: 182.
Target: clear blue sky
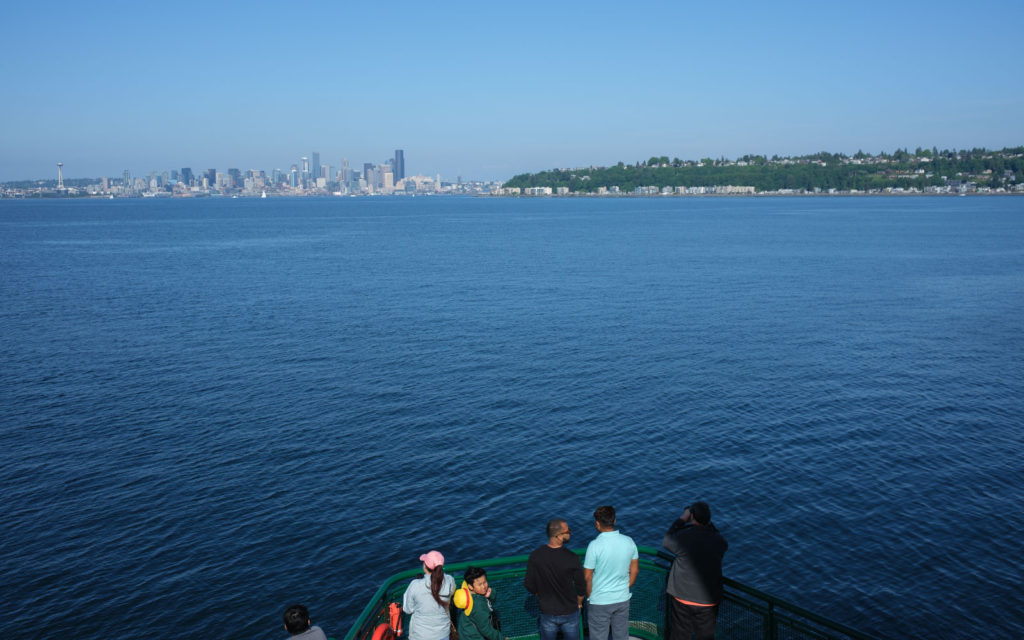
x: 487, y: 90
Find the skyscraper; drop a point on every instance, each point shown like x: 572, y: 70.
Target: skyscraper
x: 399, y: 164
x: 186, y: 176
x: 315, y: 170
x: 345, y: 173
x: 368, y: 174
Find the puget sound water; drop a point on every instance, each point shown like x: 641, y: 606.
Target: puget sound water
x: 211, y: 409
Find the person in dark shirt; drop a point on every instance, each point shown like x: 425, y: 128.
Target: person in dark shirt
x: 695, y: 580
x: 555, y: 575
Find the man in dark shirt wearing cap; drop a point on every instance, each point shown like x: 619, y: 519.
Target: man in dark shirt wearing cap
x: 695, y: 580
x: 555, y: 575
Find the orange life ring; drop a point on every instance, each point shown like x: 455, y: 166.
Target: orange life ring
x: 383, y: 632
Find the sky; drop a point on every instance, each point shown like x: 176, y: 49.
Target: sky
x: 488, y: 90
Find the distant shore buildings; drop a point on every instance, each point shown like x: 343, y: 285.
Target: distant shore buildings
x: 925, y: 172
x: 307, y: 177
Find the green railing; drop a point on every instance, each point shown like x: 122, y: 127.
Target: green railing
x: 745, y: 613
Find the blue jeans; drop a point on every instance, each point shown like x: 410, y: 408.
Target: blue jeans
x: 568, y: 624
x: 608, y: 618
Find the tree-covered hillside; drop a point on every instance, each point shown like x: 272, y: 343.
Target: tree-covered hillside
x: 861, y: 172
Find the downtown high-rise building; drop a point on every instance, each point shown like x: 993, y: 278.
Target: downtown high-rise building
x: 345, y: 173
x: 315, y: 169
x: 368, y: 174
x: 398, y: 166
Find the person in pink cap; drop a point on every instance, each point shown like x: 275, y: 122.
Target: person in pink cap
x: 427, y: 598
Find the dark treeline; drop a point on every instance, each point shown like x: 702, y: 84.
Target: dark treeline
x: 861, y: 172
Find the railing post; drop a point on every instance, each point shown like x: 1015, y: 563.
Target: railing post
x: 773, y: 631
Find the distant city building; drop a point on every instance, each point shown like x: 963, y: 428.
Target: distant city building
x: 398, y: 166
x: 344, y: 174
x: 315, y: 169
x: 186, y: 176
x: 368, y: 175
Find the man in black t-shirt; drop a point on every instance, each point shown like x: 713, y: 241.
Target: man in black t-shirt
x: 555, y: 575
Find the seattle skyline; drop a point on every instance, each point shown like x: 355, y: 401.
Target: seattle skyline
x: 487, y: 92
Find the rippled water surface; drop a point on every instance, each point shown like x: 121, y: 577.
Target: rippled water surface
x: 210, y: 409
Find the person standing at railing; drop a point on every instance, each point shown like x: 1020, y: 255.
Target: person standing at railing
x: 555, y: 575
x: 695, y: 580
x: 610, y: 568
x: 427, y: 600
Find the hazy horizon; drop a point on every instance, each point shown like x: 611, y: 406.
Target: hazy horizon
x: 489, y: 91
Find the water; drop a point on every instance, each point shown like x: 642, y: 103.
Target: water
x: 211, y: 409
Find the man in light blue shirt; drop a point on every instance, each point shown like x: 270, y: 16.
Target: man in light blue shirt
x: 610, y: 569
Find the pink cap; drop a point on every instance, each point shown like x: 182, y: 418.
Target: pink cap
x: 432, y: 559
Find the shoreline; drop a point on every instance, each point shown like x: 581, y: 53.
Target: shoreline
x: 763, y: 194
